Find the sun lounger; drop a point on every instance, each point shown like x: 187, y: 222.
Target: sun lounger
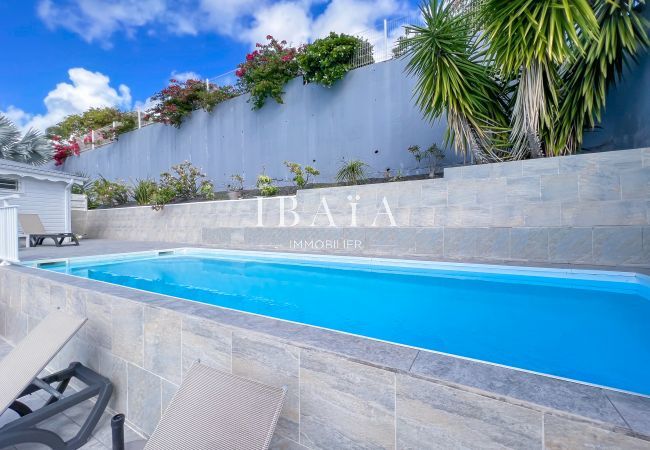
x: 216, y: 410
x: 19, y: 372
x: 35, y: 232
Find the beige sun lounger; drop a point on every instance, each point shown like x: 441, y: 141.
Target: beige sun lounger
x: 36, y: 234
x: 19, y: 372
x: 214, y: 410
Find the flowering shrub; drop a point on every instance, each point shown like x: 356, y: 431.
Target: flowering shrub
x: 107, y: 193
x: 328, y: 59
x: 188, y: 182
x: 180, y: 98
x: 266, y: 71
x: 63, y: 149
x: 107, y: 124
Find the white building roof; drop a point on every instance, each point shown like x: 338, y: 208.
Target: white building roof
x: 14, y: 168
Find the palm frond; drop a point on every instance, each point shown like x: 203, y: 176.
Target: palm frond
x: 32, y: 148
x: 588, y: 78
x: 9, y: 135
x: 527, y: 40
x: 454, y: 78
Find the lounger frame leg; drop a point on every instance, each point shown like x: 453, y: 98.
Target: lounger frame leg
x: 25, y: 430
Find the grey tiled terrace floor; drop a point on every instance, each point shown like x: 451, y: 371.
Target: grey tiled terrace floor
x: 90, y: 247
x: 67, y: 424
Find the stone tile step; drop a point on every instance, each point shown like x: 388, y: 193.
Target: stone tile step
x: 627, y: 184
x: 589, y: 164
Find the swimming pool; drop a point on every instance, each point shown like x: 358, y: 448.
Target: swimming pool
x: 586, y: 326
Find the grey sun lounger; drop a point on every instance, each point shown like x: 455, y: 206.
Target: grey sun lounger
x: 36, y: 234
x: 213, y: 410
x: 19, y: 372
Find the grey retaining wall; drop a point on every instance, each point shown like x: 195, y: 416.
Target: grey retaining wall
x: 368, y: 115
x: 343, y: 391
x: 588, y: 209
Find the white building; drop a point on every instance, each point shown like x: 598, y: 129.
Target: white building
x: 40, y: 191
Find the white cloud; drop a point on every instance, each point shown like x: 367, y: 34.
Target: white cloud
x: 286, y: 20
x: 244, y: 20
x: 184, y: 76
x: 86, y: 90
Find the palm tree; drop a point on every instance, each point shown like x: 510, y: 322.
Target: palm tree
x: 31, y: 148
x: 529, y: 78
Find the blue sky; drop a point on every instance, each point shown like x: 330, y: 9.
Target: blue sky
x: 63, y: 56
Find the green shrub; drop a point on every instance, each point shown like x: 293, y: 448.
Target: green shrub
x: 352, y: 172
x: 162, y: 196
x: 103, y: 192
x: 328, y: 59
x: 187, y: 182
x: 93, y: 119
x: 144, y: 191
x: 266, y: 186
x: 237, y: 183
x: 301, y: 176
x: 266, y: 71
x: 431, y: 157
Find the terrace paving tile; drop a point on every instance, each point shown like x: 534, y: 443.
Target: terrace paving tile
x: 114, y: 369
x: 168, y: 391
x: 452, y: 418
x: 162, y: 343
x: 275, y: 364
x: 358, y: 400
x: 206, y: 341
x: 634, y: 409
x: 128, y: 335
x: 562, y: 434
x: 567, y: 396
x: 144, y: 394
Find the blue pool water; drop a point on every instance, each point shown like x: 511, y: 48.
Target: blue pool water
x: 589, y: 330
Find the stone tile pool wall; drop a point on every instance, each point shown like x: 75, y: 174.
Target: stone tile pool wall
x: 584, y: 209
x: 366, y: 394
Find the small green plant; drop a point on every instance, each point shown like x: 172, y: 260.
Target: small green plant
x: 162, y: 196
x: 398, y: 176
x: 352, y: 172
x: 431, y: 157
x: 144, y: 191
x: 326, y: 60
x: 237, y: 183
x: 301, y: 176
x: 266, y: 186
x: 187, y: 182
x: 103, y: 192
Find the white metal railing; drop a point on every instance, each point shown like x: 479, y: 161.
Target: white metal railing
x: 8, y: 231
